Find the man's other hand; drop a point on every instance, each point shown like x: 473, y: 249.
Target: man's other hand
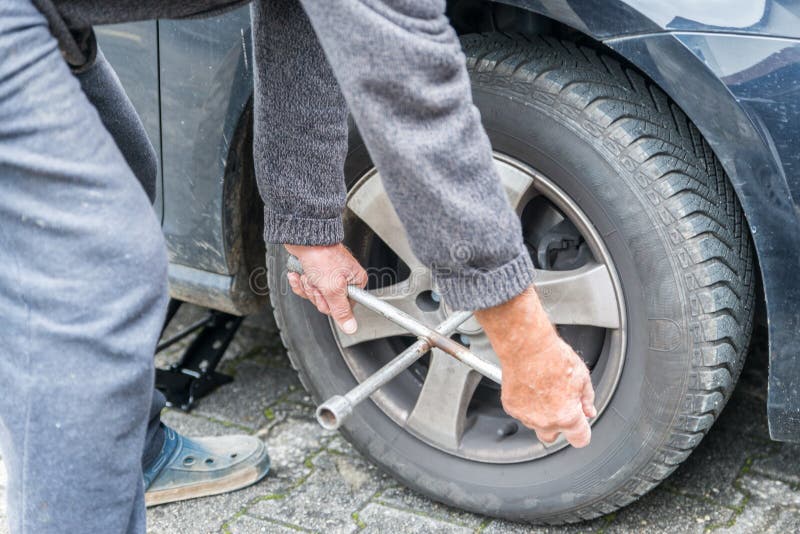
x: 327, y: 271
x: 546, y: 385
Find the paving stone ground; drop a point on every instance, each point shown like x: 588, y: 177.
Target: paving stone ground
x: 737, y: 481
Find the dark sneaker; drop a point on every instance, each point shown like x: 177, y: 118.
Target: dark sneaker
x: 196, y: 467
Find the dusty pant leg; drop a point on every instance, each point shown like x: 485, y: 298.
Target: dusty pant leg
x: 82, y: 297
x: 105, y: 92
x: 401, y: 69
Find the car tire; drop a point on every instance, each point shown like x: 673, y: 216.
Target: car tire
x: 650, y: 184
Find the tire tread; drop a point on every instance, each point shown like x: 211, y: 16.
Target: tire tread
x: 699, y: 212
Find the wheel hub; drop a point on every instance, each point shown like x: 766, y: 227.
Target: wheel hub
x: 470, y: 327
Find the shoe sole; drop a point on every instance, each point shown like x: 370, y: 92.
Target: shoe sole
x: 238, y: 480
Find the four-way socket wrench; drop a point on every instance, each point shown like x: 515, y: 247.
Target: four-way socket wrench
x: 331, y: 413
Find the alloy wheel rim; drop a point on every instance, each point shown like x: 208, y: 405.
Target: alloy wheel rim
x: 439, y: 400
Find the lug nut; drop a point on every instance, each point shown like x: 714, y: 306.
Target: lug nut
x: 508, y: 429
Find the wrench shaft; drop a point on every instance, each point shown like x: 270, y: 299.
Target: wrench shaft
x: 436, y: 339
x: 335, y: 410
x: 399, y: 317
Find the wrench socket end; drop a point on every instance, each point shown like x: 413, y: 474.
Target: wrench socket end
x: 332, y: 413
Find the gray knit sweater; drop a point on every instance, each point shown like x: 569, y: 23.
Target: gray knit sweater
x: 398, y: 66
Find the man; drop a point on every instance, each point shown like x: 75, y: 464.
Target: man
x: 83, y: 287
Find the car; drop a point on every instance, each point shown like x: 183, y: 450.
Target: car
x: 651, y: 152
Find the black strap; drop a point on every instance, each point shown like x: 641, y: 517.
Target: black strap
x: 78, y: 46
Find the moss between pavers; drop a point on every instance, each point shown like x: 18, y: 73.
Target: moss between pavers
x: 359, y: 523
x: 485, y: 523
x: 307, y: 462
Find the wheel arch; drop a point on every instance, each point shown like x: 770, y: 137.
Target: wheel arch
x: 243, y: 219
x: 746, y: 151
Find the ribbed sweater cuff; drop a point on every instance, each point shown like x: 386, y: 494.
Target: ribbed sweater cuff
x: 291, y: 230
x: 484, y: 289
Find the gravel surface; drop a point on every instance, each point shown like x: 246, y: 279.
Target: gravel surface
x: 737, y: 481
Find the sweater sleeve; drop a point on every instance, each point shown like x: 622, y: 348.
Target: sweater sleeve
x: 400, y: 66
x: 300, y: 131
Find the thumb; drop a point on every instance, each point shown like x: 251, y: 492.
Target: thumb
x: 587, y: 399
x: 579, y: 434
x: 341, y: 312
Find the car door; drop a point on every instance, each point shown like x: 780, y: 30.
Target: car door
x: 205, y: 84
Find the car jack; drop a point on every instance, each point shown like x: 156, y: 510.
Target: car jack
x: 195, y: 374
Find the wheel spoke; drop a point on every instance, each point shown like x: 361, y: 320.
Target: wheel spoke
x: 516, y: 184
x: 371, y: 204
x: 440, y: 411
x: 583, y: 296
x: 402, y: 295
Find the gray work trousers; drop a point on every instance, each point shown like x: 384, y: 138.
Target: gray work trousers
x: 83, y: 284
x: 83, y: 290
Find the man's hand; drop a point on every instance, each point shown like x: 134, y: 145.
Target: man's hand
x: 546, y: 385
x: 327, y: 271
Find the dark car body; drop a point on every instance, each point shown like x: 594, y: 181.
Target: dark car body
x: 733, y: 66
